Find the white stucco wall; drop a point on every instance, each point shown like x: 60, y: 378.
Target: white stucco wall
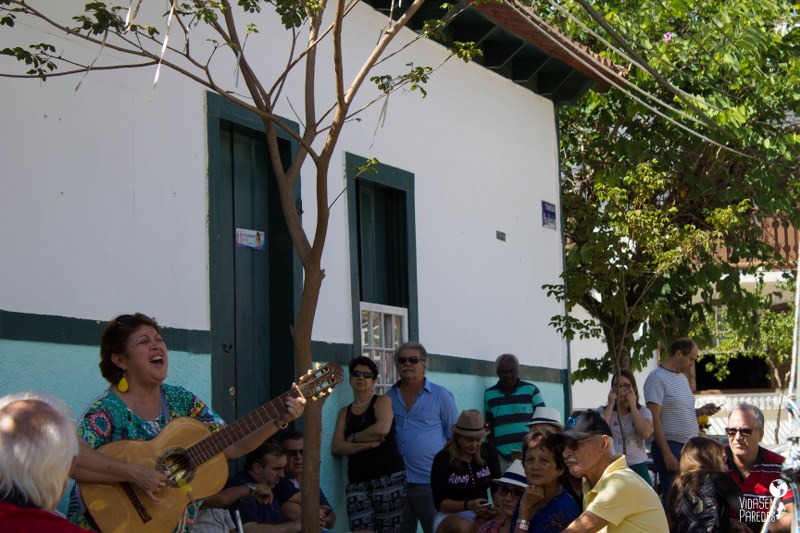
x: 104, y: 203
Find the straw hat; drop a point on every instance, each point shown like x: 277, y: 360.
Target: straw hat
x: 469, y: 424
x: 546, y: 415
x: 515, y: 475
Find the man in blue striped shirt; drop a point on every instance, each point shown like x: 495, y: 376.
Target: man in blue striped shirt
x: 509, y: 404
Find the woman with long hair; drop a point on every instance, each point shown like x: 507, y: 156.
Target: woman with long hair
x: 623, y: 409
x: 461, y: 476
x: 703, y: 498
x: 376, y: 474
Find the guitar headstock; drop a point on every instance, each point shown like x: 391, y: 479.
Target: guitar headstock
x: 320, y: 381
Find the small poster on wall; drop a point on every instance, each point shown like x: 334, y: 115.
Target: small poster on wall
x: 250, y: 238
x: 548, y: 215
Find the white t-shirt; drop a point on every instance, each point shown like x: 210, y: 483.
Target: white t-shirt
x: 671, y: 391
x: 635, y: 451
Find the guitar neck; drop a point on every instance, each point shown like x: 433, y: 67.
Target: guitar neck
x: 232, y: 433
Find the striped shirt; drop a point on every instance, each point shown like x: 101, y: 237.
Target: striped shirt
x: 507, y: 414
x: 671, y: 391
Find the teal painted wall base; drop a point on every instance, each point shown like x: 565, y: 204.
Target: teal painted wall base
x: 58, y: 362
x: 468, y: 393
x: 71, y: 372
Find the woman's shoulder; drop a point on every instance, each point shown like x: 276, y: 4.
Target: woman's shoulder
x: 106, y: 402
x: 723, y: 482
x: 381, y: 402
x: 442, y: 456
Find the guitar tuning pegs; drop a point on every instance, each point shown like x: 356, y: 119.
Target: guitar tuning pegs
x: 330, y: 389
x: 321, y: 393
x: 314, y: 398
x: 317, y: 365
x: 309, y: 372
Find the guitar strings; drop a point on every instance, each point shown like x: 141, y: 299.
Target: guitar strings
x: 201, y: 451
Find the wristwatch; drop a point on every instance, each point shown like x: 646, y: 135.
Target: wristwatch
x: 252, y: 487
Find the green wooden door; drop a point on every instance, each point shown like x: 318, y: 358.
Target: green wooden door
x: 251, y: 288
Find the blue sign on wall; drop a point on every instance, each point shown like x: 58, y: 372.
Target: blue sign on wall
x: 548, y: 215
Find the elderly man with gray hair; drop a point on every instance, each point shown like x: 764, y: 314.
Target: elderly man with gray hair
x: 38, y: 447
x: 756, y: 470
x: 423, y: 413
x: 508, y: 407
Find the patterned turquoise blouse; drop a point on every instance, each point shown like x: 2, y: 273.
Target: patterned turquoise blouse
x: 108, y: 419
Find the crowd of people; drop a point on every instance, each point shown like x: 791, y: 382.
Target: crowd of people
x: 413, y: 461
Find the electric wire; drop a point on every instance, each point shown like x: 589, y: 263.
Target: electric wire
x: 600, y: 19
x: 613, y: 78
x: 625, y: 56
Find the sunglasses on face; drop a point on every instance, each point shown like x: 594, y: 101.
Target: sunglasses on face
x: 361, y: 374
x: 413, y: 360
x: 746, y: 432
x: 517, y: 493
x: 295, y: 453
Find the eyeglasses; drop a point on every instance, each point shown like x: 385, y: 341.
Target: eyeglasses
x: 295, y: 453
x: 361, y: 374
x: 746, y: 432
x: 413, y: 360
x: 517, y: 493
x: 623, y: 386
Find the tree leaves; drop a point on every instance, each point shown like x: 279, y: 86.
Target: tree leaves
x: 655, y: 218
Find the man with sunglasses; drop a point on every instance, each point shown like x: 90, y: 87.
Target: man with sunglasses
x: 292, y: 442
x: 754, y: 469
x: 423, y: 414
x: 615, y: 497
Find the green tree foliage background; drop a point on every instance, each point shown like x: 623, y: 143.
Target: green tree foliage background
x: 655, y: 262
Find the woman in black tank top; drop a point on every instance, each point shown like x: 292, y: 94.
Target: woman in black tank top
x: 376, y: 474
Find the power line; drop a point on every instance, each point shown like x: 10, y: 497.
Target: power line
x: 607, y: 73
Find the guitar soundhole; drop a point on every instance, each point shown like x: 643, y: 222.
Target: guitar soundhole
x: 176, y: 465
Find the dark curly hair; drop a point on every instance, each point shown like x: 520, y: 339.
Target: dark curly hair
x: 113, y: 340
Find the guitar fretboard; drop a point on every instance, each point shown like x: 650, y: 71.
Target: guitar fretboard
x: 232, y: 433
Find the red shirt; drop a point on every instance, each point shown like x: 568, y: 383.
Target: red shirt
x: 15, y: 519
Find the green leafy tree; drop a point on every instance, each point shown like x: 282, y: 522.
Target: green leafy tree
x: 768, y: 337
x: 725, y: 151
x: 191, y: 38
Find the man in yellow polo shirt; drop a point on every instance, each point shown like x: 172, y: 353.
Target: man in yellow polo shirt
x: 616, y: 499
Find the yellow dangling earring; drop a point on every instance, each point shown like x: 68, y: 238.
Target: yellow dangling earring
x: 123, y: 384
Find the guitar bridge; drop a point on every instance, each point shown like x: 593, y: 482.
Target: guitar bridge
x: 130, y: 492
x: 176, y: 465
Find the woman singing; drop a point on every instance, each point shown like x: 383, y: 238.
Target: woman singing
x: 138, y: 405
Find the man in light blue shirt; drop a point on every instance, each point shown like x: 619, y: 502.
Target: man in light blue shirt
x: 423, y: 414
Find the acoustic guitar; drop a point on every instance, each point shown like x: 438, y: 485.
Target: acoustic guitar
x: 192, y: 460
